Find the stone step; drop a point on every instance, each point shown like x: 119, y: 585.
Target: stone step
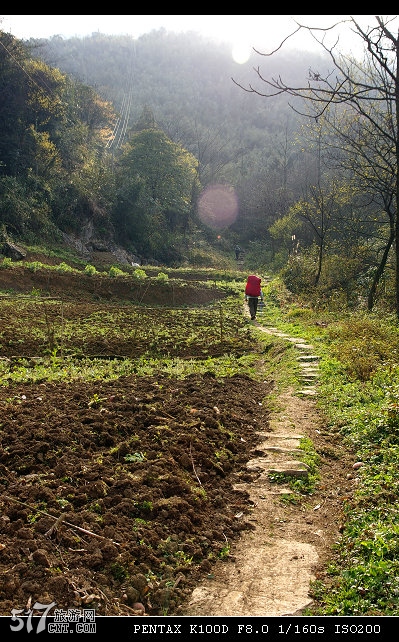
x: 283, y: 436
x: 262, y: 464
x: 289, y: 468
x: 263, y: 492
x: 300, y: 343
x: 282, y: 449
x: 305, y: 369
x: 307, y: 392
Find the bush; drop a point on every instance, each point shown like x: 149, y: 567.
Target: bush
x: 139, y: 274
x: 64, y: 267
x: 34, y: 266
x: 6, y: 263
x: 364, y: 345
x: 90, y: 270
x: 114, y: 272
x: 299, y: 273
x: 162, y: 276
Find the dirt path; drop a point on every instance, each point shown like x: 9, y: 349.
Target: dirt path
x: 271, y: 568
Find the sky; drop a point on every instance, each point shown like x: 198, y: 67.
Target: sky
x: 242, y: 32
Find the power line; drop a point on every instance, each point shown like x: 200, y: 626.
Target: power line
x: 122, y: 122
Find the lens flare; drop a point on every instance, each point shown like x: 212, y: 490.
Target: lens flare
x: 218, y: 206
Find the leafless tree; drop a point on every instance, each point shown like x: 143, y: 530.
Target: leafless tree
x: 370, y: 90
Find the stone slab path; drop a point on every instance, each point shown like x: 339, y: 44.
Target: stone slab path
x: 274, y: 564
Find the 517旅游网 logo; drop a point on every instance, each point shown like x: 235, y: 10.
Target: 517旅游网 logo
x: 35, y: 619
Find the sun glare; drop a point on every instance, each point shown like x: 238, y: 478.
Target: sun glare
x: 241, y: 53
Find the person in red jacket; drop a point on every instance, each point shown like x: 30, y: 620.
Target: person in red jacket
x: 253, y: 291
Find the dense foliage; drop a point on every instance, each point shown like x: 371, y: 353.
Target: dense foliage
x: 54, y: 130
x: 179, y: 86
x: 82, y: 158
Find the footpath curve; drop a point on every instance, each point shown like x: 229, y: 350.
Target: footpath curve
x: 271, y: 567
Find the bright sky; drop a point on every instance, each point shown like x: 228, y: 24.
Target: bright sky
x: 263, y: 32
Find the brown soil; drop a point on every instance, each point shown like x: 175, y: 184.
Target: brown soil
x: 137, y: 491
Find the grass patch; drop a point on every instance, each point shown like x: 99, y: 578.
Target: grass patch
x: 358, y: 394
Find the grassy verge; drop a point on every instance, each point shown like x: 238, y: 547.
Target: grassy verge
x: 359, y: 396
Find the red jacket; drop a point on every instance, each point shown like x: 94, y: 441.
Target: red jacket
x: 252, y: 287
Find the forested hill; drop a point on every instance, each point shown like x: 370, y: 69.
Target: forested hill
x: 188, y: 83
x: 185, y: 79
x: 79, y: 110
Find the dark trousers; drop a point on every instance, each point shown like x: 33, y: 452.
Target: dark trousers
x: 253, y: 306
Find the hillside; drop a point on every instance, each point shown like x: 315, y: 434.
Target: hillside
x: 188, y: 87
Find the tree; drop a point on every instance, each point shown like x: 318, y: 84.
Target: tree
x: 53, y: 131
x: 355, y: 149
x: 167, y: 169
x: 318, y: 212
x: 370, y: 90
x: 157, y: 179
